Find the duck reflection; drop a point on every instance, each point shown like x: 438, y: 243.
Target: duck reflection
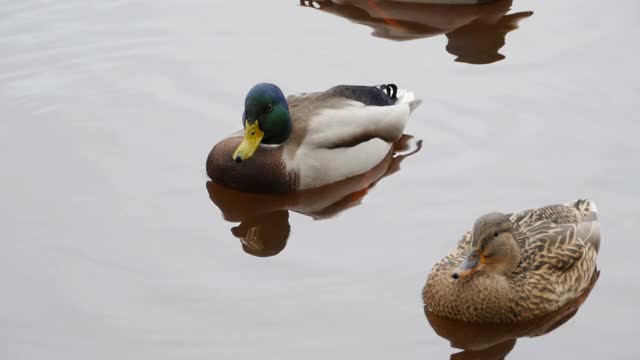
x: 264, y: 219
x: 475, y: 32
x: 495, y: 341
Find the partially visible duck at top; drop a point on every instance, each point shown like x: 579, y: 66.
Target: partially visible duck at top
x: 309, y: 140
x: 513, y: 267
x: 475, y: 29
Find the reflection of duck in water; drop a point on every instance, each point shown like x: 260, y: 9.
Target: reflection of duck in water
x: 495, y: 340
x: 310, y: 140
x: 264, y: 228
x: 518, y: 266
x: 475, y: 32
x: 265, y: 234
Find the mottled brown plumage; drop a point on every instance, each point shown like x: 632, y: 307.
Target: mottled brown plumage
x: 526, y: 264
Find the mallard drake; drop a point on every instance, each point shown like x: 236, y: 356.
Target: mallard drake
x: 309, y: 140
x: 519, y: 266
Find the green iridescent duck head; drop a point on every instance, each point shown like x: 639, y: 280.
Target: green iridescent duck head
x: 266, y: 120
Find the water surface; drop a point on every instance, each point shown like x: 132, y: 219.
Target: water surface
x: 112, y: 248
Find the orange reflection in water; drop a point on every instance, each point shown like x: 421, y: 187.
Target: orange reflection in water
x: 384, y: 17
x: 264, y: 219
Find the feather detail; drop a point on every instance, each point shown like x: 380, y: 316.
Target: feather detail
x: 559, y: 246
x: 341, y: 134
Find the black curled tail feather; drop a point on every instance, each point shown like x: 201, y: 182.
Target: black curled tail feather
x: 391, y: 90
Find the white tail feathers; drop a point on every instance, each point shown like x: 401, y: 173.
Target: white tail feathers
x: 413, y: 104
x: 406, y: 96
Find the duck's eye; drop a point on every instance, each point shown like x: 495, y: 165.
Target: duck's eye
x: 495, y: 234
x: 474, y: 256
x: 269, y: 108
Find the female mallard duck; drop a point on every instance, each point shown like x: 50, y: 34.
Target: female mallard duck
x: 513, y: 267
x: 309, y: 140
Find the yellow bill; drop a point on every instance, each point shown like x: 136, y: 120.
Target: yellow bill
x: 252, y: 138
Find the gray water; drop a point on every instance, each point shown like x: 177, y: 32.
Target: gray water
x: 111, y: 248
